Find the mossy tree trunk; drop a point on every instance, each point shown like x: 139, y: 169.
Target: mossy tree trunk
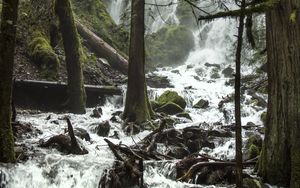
x: 7, y: 46
x: 280, y: 158
x: 72, y: 47
x: 137, y: 106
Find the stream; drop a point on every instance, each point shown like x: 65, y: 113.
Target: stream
x: 214, y: 44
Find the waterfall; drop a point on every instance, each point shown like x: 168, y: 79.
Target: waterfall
x: 116, y: 9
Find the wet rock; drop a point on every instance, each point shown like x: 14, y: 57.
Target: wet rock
x: 156, y: 81
x: 24, y: 130
x: 208, y: 144
x: 20, y: 153
x: 215, y: 75
x: 115, y: 119
x: 197, y: 78
x: 171, y: 96
x: 175, y: 72
x: 194, y: 145
x: 200, y: 72
x: 56, y: 122
x: 97, y: 113
x: 184, y: 115
x: 228, y: 72
x: 178, y: 152
x: 103, y: 129
x: 264, y: 67
x: 194, y: 133
x: 170, y: 108
x: 83, y: 134
x: 201, y: 104
x: 212, y: 65
x: 257, y: 100
x: 189, y: 66
x: 220, y: 133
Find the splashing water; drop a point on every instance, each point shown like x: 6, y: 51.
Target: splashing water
x: 214, y: 44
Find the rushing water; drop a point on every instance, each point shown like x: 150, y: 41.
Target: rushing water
x: 214, y: 44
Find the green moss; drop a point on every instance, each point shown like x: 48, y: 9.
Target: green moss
x: 171, y: 96
x: 251, y: 183
x: 170, y: 108
x: 169, y: 46
x: 93, y: 13
x: 43, y: 55
x: 263, y: 117
x: 293, y: 16
x: 253, y: 151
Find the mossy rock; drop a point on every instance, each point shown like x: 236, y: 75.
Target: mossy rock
x: 201, y: 104
x: 263, y: 117
x: 170, y: 108
x: 43, y: 55
x: 94, y: 13
x: 170, y: 46
x: 253, y: 151
x: 171, y: 96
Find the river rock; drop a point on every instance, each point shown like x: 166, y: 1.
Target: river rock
x: 178, y: 152
x: 184, y: 115
x: 97, y: 113
x: 212, y: 65
x: 103, y: 129
x: 170, y: 108
x: 83, y: 134
x: 172, y: 96
x: 228, y: 72
x: 156, y: 81
x: 202, y: 104
x: 220, y: 133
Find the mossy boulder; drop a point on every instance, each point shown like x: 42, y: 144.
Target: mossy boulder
x: 263, y: 117
x: 252, y: 183
x: 170, y: 108
x: 43, y: 55
x: 171, y: 96
x: 94, y: 14
x: 169, y: 46
x: 184, y: 115
x: 253, y: 151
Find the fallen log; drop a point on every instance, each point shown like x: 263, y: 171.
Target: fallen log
x: 102, y: 49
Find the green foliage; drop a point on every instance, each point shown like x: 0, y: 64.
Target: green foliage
x: 263, y: 117
x: 171, y: 96
x: 43, y: 55
x: 94, y: 14
x: 169, y: 46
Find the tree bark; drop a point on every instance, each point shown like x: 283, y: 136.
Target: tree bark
x: 74, y: 58
x: 238, y: 124
x: 137, y: 106
x: 103, y: 49
x: 7, y: 47
x: 280, y: 158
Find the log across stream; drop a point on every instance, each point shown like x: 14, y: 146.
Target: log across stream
x: 45, y: 95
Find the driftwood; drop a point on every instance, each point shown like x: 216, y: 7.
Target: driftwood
x: 67, y: 144
x: 102, y: 49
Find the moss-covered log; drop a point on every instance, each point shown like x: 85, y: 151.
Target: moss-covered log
x: 74, y: 56
x: 103, y: 49
x: 7, y: 45
x: 137, y: 106
x: 280, y: 158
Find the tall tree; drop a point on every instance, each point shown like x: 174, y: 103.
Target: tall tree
x: 238, y: 124
x: 74, y: 59
x: 7, y: 47
x: 137, y: 106
x: 280, y: 158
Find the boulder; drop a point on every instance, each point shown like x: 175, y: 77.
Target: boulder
x: 212, y: 65
x: 156, y: 81
x: 103, y: 129
x: 170, y: 108
x: 228, y: 72
x: 172, y: 96
x: 220, y: 133
x: 170, y: 45
x: 184, y: 115
x: 83, y: 134
x: 202, y: 104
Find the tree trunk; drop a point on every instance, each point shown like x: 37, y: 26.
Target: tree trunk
x: 280, y: 158
x: 7, y: 47
x: 238, y: 124
x: 74, y: 57
x: 102, y: 49
x: 137, y: 106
